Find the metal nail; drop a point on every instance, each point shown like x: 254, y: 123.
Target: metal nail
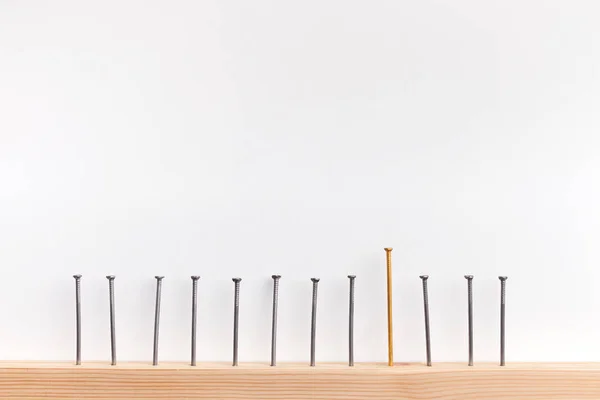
x: 426, y: 307
x: 313, y: 324
x: 194, y: 314
x: 388, y: 256
x: 351, y: 322
x: 157, y: 318
x: 274, y: 319
x: 113, y: 337
x: 236, y: 317
x: 78, y: 318
x: 469, y: 279
x: 502, y: 319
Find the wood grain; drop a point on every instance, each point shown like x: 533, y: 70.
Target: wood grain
x: 443, y: 381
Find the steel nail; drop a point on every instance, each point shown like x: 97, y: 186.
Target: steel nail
x: 351, y: 322
x: 274, y: 319
x: 157, y: 318
x: 313, y: 325
x: 236, y: 317
x: 78, y: 318
x: 113, y: 337
x: 194, y: 314
x: 426, y: 308
x: 469, y: 279
x: 502, y: 319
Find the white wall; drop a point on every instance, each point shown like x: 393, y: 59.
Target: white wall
x: 248, y: 138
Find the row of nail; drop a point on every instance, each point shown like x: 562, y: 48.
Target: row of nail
x: 469, y: 279
x: 276, y: 278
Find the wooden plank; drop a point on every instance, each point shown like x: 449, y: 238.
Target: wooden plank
x: 327, y: 381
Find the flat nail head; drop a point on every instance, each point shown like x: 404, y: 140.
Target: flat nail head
x: 275, y: 276
x: 351, y: 276
x: 236, y: 280
x: 159, y: 278
x: 469, y: 277
x: 424, y: 277
x: 315, y: 279
x: 195, y: 277
x: 388, y: 248
x: 110, y: 277
x: 503, y: 278
x: 77, y: 276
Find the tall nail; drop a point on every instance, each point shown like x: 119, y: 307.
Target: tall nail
x: 426, y: 307
x: 113, y: 337
x: 388, y: 256
x: 236, y: 317
x: 313, y: 324
x: 274, y: 319
x: 351, y: 322
x: 194, y: 314
x: 502, y: 318
x: 469, y: 279
x: 78, y: 318
x: 157, y: 318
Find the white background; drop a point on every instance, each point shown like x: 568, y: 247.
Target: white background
x: 246, y: 138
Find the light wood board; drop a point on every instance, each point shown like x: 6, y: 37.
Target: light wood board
x: 327, y: 381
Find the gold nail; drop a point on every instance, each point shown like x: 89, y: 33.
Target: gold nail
x: 388, y: 253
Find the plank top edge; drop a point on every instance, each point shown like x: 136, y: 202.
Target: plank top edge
x: 399, y: 368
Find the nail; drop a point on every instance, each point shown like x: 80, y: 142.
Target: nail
x: 236, y: 317
x: 388, y: 254
x: 502, y: 318
x: 274, y: 319
x: 78, y: 318
x: 351, y: 322
x: 426, y: 307
x: 157, y: 319
x: 113, y: 337
x: 469, y: 279
x: 194, y: 313
x: 313, y: 324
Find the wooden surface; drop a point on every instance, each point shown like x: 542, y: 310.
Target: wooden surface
x: 443, y: 381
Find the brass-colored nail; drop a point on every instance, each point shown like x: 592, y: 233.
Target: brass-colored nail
x: 388, y: 253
